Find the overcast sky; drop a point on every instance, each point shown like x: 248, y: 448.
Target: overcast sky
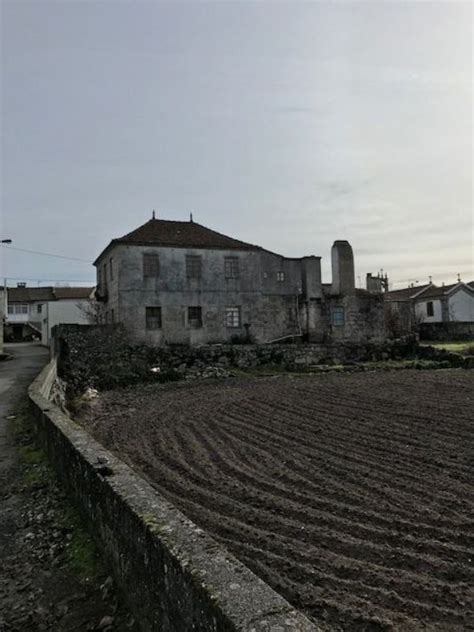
x: 288, y: 125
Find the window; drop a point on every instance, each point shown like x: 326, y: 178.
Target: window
x: 151, y: 265
x: 194, y: 317
x: 39, y: 308
x: 429, y: 308
x: 111, y: 269
x: 232, y: 316
x: 153, y: 317
x: 112, y: 316
x: 280, y: 276
x: 338, y: 316
x: 193, y: 266
x: 105, y: 274
x: 18, y: 309
x: 10, y: 309
x: 231, y: 266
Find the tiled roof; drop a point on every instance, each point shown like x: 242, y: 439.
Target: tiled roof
x: 160, y: 232
x: 407, y: 292
x: 31, y: 294
x: 28, y: 294
x: 443, y: 290
x: 72, y: 292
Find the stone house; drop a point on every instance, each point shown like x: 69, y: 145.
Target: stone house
x: 180, y: 282
x: 33, y: 311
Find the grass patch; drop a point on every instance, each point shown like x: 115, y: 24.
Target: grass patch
x: 81, y: 553
x: 464, y: 347
x: 36, y: 471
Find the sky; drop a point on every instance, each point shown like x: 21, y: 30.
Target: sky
x: 288, y: 125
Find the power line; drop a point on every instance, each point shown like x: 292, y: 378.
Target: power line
x: 47, y: 254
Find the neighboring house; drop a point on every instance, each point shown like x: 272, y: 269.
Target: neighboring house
x: 33, y: 311
x: 448, y: 303
x: 71, y: 305
x: 400, y: 308
x: 421, y: 306
x: 180, y: 282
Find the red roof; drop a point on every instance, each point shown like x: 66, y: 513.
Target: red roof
x: 173, y: 234
x: 30, y: 294
x: 407, y: 292
x: 72, y: 292
x: 445, y: 289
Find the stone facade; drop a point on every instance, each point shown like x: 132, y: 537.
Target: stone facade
x: 235, y: 291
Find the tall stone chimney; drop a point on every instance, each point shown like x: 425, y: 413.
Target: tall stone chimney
x: 343, y: 275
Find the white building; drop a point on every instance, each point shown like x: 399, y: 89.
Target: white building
x: 33, y: 311
x: 430, y: 309
x: 448, y: 303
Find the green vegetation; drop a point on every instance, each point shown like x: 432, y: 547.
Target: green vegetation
x: 81, y: 553
x: 464, y: 347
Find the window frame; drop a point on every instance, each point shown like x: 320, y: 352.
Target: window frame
x: 280, y: 275
x: 231, y: 311
x: 149, y: 318
x: 150, y: 265
x: 193, y: 266
x: 194, y: 322
x: 232, y: 267
x: 336, y: 313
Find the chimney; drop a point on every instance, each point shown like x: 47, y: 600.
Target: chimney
x: 374, y: 283
x: 343, y: 276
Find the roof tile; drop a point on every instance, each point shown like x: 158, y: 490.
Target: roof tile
x: 174, y: 234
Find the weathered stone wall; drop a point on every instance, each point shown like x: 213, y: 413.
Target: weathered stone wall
x: 364, y: 318
x: 447, y: 331
x: 101, y: 357
x: 173, y: 575
x: 265, y: 301
x: 277, y: 296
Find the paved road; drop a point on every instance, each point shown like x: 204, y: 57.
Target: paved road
x: 38, y: 590
x: 15, y: 376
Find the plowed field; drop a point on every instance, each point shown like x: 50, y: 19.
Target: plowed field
x: 351, y: 495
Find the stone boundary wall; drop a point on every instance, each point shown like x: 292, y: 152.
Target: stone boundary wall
x: 103, y: 357
x: 447, y: 331
x: 174, y: 576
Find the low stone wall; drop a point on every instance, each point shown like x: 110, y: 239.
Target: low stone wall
x: 173, y: 575
x: 103, y: 358
x: 447, y: 331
